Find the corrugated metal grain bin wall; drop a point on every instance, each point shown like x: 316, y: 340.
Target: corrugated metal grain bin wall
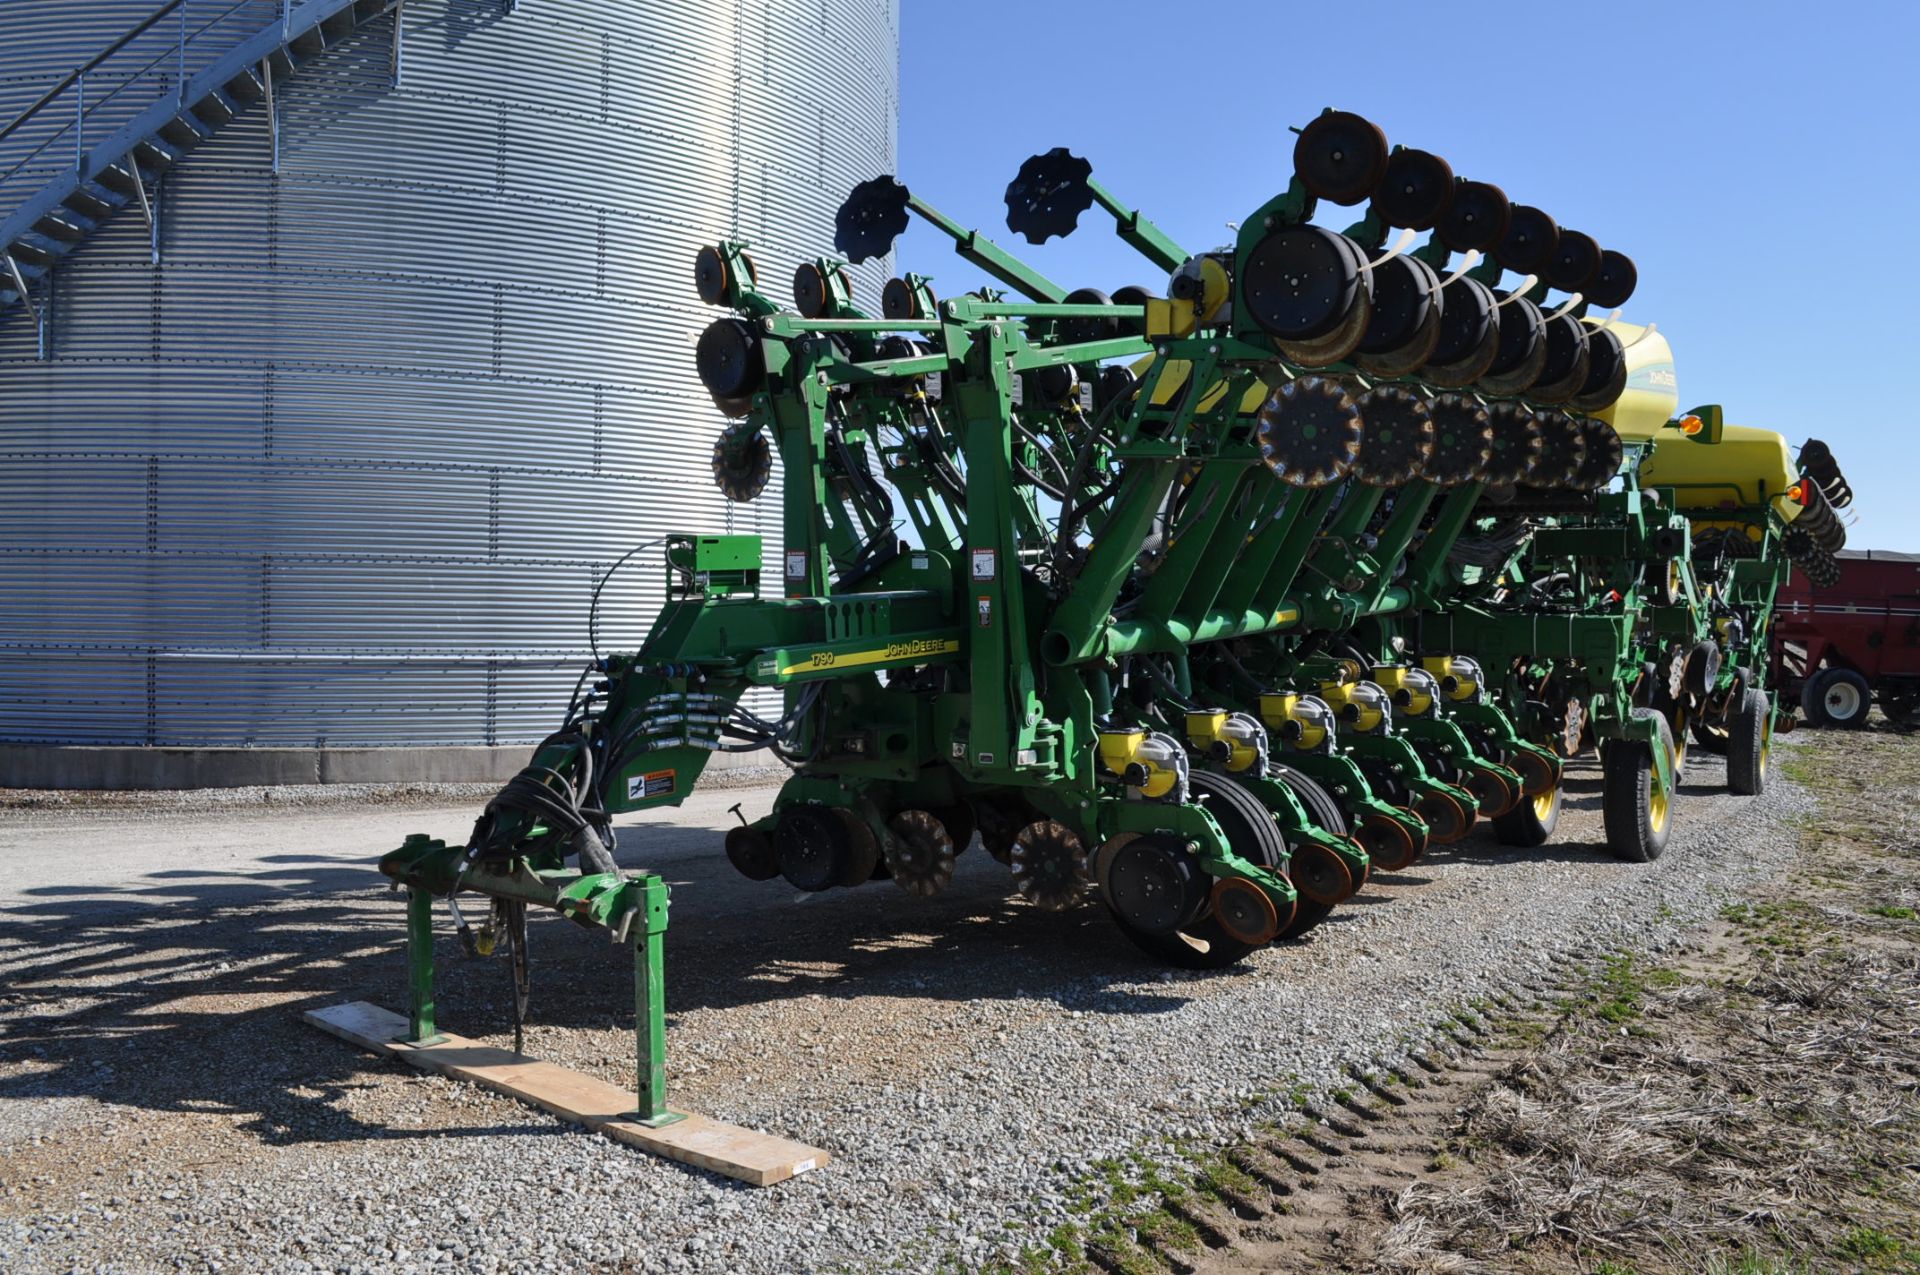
x: 343, y: 467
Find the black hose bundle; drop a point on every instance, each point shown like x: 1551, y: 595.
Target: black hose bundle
x: 1491, y: 552
x: 568, y: 807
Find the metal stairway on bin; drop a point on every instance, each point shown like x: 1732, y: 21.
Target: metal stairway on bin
x: 121, y: 170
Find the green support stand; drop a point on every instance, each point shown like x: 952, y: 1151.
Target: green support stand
x: 650, y: 1006
x: 633, y: 908
x: 421, y: 1029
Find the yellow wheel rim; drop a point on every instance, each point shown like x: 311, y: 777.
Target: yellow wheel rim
x: 1766, y: 742
x: 1543, y: 804
x: 1657, y: 804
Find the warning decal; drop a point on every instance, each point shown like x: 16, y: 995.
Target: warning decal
x: 655, y: 783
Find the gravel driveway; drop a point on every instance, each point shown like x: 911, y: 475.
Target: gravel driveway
x: 965, y: 1059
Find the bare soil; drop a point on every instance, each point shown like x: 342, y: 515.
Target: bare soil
x: 1750, y: 1107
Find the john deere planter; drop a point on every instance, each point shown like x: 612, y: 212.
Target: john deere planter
x: 1200, y: 601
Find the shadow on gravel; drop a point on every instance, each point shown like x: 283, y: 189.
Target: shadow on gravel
x: 181, y: 991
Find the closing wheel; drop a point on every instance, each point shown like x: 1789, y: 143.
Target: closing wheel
x: 1493, y: 794
x: 1406, y: 293
x: 1076, y: 331
x: 863, y: 850
x: 1131, y: 294
x: 729, y: 360
x: 1749, y: 740
x: 1245, y: 912
x: 1415, y: 190
x: 1417, y: 828
x: 1528, y: 245
x: 1388, y: 843
x: 1614, y: 282
x: 1325, y: 814
x: 812, y: 292
x: 1635, y: 808
x: 1702, y: 671
x: 921, y: 853
x: 1340, y: 157
x: 1606, y: 373
x: 711, y: 278
x: 1320, y: 875
x: 1447, y: 820
x: 1477, y: 217
x: 1404, y: 328
x: 1531, y: 821
x: 1537, y: 774
x: 899, y: 300
x: 1576, y: 262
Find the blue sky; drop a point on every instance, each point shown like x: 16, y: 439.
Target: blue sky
x: 1755, y: 160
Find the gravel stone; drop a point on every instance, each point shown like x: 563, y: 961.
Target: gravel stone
x: 966, y: 1060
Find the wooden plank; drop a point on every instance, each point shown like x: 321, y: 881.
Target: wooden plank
x: 757, y: 1158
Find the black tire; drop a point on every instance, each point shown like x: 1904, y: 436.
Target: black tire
x: 1531, y: 822
x: 1747, y: 740
x: 1837, y: 697
x: 1637, y: 822
x: 1326, y: 815
x: 1251, y: 831
x: 750, y: 851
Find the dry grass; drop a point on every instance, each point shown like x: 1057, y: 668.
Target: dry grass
x: 1761, y: 1114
